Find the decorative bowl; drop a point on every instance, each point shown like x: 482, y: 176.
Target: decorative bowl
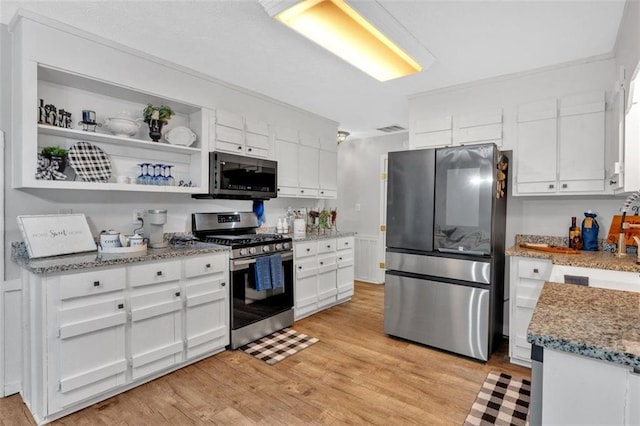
x: 123, y: 124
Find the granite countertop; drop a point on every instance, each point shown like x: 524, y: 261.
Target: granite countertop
x: 593, y: 322
x: 586, y: 259
x: 309, y: 237
x: 95, y: 259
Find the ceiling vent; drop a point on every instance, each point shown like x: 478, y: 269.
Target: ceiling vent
x: 392, y: 128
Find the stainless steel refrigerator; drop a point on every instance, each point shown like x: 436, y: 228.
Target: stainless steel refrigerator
x: 445, y: 248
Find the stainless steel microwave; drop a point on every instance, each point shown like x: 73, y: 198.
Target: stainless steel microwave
x: 241, y: 178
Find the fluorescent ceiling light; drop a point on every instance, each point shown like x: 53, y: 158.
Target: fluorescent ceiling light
x: 338, y: 28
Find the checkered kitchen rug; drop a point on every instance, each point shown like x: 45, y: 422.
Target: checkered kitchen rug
x: 278, y: 346
x: 503, y: 400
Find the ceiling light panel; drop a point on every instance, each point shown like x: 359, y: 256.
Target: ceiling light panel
x: 337, y: 27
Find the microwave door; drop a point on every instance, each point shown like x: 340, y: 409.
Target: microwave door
x: 464, y: 199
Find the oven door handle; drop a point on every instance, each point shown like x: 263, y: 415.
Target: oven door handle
x: 238, y: 265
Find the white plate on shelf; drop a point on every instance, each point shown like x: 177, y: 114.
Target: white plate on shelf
x: 180, y: 135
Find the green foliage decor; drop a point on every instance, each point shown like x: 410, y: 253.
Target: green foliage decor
x: 48, y: 151
x: 164, y: 113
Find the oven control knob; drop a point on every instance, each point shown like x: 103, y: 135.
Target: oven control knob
x: 285, y: 246
x: 252, y: 250
x: 265, y: 248
x: 278, y: 246
x: 243, y: 252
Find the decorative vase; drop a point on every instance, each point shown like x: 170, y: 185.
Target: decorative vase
x: 61, y: 161
x: 155, y: 129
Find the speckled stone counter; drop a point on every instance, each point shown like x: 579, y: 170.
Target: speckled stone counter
x: 310, y: 237
x: 586, y: 259
x: 95, y: 260
x: 593, y: 322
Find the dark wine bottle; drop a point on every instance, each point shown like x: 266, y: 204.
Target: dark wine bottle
x: 572, y: 231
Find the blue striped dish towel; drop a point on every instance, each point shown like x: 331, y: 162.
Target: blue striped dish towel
x: 263, y: 273
x: 277, y: 280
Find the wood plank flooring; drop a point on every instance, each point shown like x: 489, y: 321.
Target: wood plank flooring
x: 355, y: 374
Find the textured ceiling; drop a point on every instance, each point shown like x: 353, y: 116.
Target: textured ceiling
x: 237, y: 42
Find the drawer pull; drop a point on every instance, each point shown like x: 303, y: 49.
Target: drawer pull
x: 250, y: 149
x: 96, y: 283
x: 535, y: 270
x: 328, y: 246
x: 564, y: 185
x: 223, y: 284
x: 339, y: 258
x: 120, y: 305
x: 346, y: 243
x: 159, y: 273
x: 177, y: 294
x: 302, y: 191
x: 322, y: 192
x: 208, y: 265
x: 322, y: 263
x: 308, y: 250
x: 551, y: 186
x: 240, y: 147
x: 299, y: 267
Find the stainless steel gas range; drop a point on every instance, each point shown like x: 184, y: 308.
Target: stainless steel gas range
x: 256, y: 309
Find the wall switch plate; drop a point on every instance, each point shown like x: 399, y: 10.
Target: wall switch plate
x: 137, y: 216
x: 358, y: 207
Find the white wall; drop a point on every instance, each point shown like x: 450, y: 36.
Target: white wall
x: 359, y: 180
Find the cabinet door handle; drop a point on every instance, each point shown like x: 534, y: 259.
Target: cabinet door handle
x: 250, y: 149
x: 322, y: 192
x: 302, y: 191
x: 177, y: 294
x: 564, y: 185
x: 339, y: 258
x: 613, y: 182
x: 159, y: 273
x: 322, y: 263
x: 328, y: 246
x: 240, y: 148
x: 278, y: 189
x: 208, y: 265
x: 299, y: 267
x: 223, y: 284
x: 535, y: 270
x: 308, y: 250
x: 96, y: 283
x: 551, y: 186
x: 120, y: 305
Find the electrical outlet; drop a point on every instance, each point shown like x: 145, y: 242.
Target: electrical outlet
x: 137, y: 216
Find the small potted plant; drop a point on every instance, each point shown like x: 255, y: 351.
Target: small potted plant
x: 156, y: 117
x: 57, y: 154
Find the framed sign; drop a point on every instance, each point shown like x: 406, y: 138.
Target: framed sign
x: 56, y: 234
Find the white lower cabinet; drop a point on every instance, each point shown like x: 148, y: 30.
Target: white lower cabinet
x: 91, y: 335
x: 324, y: 274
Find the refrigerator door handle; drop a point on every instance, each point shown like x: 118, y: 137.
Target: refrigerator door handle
x: 469, y: 252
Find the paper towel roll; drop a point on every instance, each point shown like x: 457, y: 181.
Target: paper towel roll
x: 299, y: 227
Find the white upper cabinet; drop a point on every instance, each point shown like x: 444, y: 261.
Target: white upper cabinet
x: 66, y: 80
x: 480, y: 126
x: 286, y: 147
x: 328, y: 174
x: 238, y: 135
x: 561, y: 146
x: 432, y: 132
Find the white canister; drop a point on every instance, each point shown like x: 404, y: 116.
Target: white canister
x: 299, y: 228
x: 109, y: 239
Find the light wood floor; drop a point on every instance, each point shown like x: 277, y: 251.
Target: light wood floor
x: 354, y: 375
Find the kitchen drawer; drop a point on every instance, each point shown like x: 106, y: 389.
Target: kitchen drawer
x: 534, y: 269
x: 154, y: 273
x: 90, y: 283
x: 328, y: 193
x: 306, y: 268
x: 327, y: 263
x: 305, y: 249
x: 307, y: 192
x: 327, y: 246
x: 345, y: 259
x: 287, y: 191
x: 205, y: 265
x: 344, y: 243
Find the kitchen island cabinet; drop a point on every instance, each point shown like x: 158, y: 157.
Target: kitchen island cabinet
x: 94, y: 331
x: 529, y: 269
x: 588, y: 369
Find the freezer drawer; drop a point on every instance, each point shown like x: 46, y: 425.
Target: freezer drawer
x: 443, y: 315
x: 474, y: 271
